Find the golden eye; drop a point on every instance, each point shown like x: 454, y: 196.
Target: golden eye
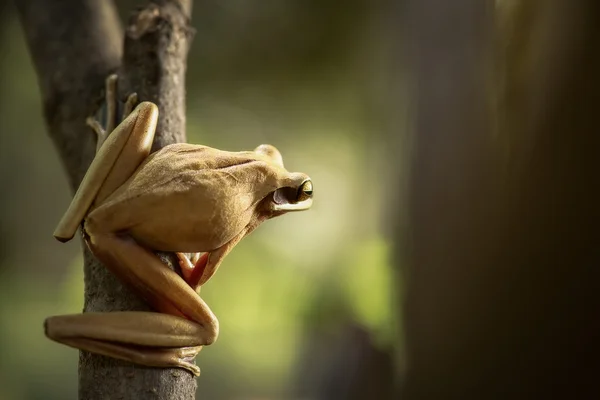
x: 305, y: 191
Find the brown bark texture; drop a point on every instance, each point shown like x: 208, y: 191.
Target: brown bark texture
x: 75, y: 45
x: 502, y: 287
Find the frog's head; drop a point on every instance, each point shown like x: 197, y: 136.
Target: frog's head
x: 288, y: 191
x: 246, y: 189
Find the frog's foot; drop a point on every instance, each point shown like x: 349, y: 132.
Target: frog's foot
x: 148, y: 356
x: 111, y: 111
x: 192, y: 268
x: 186, y: 359
x: 200, y: 267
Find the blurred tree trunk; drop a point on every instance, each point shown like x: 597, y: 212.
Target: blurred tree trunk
x: 75, y: 45
x: 502, y: 286
x: 342, y: 364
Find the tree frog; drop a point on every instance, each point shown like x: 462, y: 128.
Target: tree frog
x: 184, y: 198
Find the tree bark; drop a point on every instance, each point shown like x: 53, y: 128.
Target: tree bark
x: 75, y: 45
x: 503, y: 293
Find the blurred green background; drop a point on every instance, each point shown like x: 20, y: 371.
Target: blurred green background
x: 306, y: 303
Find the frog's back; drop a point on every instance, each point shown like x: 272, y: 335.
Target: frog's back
x: 181, y: 181
x: 176, y: 168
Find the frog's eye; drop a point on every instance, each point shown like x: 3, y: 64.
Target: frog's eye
x: 305, y: 191
x: 293, y: 198
x: 270, y: 152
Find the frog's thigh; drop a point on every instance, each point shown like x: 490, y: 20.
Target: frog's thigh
x: 122, y: 152
x: 145, y: 273
x: 151, y: 339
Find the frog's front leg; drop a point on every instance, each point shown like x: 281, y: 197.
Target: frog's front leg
x: 200, y: 267
x: 161, y: 340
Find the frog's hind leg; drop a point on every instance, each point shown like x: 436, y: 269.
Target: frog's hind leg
x: 171, y: 337
x: 122, y: 152
x: 146, y: 338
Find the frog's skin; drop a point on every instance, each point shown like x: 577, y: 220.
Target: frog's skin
x: 183, y: 198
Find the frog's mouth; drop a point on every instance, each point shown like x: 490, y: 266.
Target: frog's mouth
x: 282, y: 206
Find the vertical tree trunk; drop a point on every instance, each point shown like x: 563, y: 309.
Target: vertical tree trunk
x: 75, y: 44
x: 503, y: 290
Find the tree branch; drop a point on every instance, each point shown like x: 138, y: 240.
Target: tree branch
x: 75, y: 44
